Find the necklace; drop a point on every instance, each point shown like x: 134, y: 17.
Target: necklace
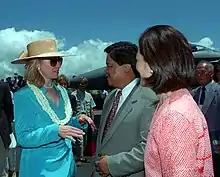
x: 48, y: 87
x: 41, y: 98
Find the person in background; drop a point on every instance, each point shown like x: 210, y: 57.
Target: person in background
x: 15, y: 82
x: 14, y: 153
x: 7, y: 139
x: 103, y: 94
x: 10, y: 83
x: 84, y: 106
x: 126, y: 116
x: 74, y: 86
x: 217, y: 72
x: 178, y: 143
x: 21, y: 83
x: 207, y: 97
x: 44, y: 123
x: 63, y: 81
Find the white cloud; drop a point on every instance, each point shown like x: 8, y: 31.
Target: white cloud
x: 89, y: 54
x: 206, y: 42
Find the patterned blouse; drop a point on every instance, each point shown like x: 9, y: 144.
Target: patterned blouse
x: 178, y: 143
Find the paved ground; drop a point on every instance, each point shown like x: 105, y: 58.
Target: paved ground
x: 85, y: 170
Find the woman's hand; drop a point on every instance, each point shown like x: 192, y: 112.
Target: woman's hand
x: 85, y: 119
x: 69, y: 132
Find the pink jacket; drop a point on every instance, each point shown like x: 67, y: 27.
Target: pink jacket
x: 178, y: 143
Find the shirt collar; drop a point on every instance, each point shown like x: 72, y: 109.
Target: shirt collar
x: 208, y: 86
x: 129, y: 87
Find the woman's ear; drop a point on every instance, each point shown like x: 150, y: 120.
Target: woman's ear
x: 38, y: 66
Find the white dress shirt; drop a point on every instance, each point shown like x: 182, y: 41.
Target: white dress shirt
x: 126, y: 91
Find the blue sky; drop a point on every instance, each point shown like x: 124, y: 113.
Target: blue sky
x: 79, y: 20
x: 82, y: 22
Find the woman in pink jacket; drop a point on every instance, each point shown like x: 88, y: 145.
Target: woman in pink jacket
x: 178, y: 143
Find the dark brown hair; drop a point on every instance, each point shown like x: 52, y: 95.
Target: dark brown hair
x: 123, y: 52
x: 169, y: 55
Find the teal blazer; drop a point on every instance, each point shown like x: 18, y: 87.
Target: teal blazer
x: 44, y: 152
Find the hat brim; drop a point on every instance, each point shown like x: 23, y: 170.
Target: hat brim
x: 45, y: 55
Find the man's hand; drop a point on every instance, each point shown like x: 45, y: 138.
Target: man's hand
x: 85, y: 119
x: 102, y: 166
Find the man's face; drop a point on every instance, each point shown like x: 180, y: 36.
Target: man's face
x: 203, y: 74
x: 63, y: 83
x: 114, y: 72
x: 83, y: 84
x: 218, y: 72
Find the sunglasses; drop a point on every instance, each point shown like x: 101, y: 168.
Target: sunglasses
x: 83, y: 82
x: 55, y: 60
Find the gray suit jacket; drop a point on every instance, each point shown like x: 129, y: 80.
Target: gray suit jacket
x: 125, y: 141
x: 211, y: 106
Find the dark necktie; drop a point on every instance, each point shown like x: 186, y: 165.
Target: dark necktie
x: 112, y: 113
x: 202, y: 97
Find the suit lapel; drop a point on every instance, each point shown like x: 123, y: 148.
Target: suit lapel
x: 210, y: 94
x: 124, y: 110
x: 105, y: 114
x: 196, y: 95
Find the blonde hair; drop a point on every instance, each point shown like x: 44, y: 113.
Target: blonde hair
x: 32, y: 74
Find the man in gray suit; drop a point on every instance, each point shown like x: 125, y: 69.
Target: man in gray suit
x: 207, y: 96
x: 126, y: 116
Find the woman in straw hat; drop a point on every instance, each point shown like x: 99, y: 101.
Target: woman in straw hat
x: 44, y: 124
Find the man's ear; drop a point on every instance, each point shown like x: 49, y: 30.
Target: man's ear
x: 211, y: 74
x: 127, y: 68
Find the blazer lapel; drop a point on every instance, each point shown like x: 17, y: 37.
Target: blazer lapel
x: 210, y: 94
x: 196, y: 94
x: 124, y: 110
x: 105, y: 114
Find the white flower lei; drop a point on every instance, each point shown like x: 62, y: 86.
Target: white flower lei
x: 41, y: 98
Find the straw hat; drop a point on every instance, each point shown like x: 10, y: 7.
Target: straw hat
x: 38, y: 49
